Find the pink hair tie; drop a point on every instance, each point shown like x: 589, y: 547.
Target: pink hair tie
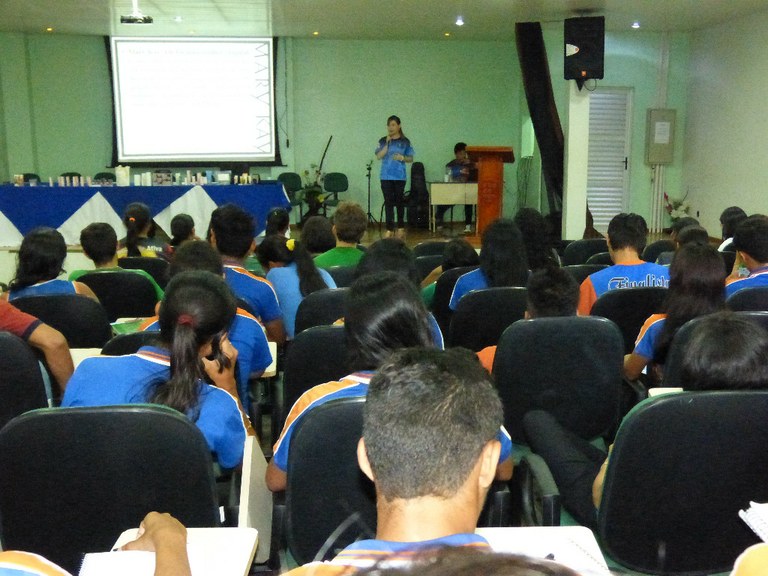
x: 131, y: 219
x: 186, y: 320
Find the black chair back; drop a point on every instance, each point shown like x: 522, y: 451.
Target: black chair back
x: 443, y: 290
x: 755, y: 298
x: 429, y: 248
x: 482, y: 316
x: 728, y: 260
x: 123, y: 344
x: 342, y: 275
x: 81, y: 320
x: 320, y: 308
x: 652, y: 251
x: 425, y: 264
x: 291, y: 181
x: 21, y: 380
x: 669, y: 504
x: 603, y: 258
x: 73, y: 479
x: 674, y: 360
x: 629, y: 308
x: 579, y: 251
x: 123, y: 294
x: 570, y: 366
x: 581, y: 271
x: 326, y: 488
x: 158, y: 268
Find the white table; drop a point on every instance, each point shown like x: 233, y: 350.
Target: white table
x: 450, y: 193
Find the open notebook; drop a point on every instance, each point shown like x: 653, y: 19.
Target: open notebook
x: 756, y: 517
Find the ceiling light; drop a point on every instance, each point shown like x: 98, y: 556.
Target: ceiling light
x: 447, y: 34
x: 177, y: 19
x: 459, y: 21
x: 315, y: 33
x: 49, y: 29
x: 635, y: 25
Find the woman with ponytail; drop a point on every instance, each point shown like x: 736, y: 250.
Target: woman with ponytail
x: 293, y: 274
x: 194, y: 319
x: 139, y: 239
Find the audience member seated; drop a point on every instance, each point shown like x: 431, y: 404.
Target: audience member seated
x: 730, y: 218
x: 751, y: 243
x: 246, y: 333
x: 665, y: 258
x: 182, y: 229
x: 278, y: 222
x: 431, y: 446
x: 349, y: 226
x: 551, y: 292
x: 41, y: 257
x: 537, y: 238
x: 317, y: 235
x: 725, y: 352
x: 384, y: 314
x: 456, y: 254
x: 696, y: 288
x: 503, y: 261
x: 99, y: 242
x: 49, y: 341
x: 231, y: 232
x: 627, y: 235
x: 293, y: 274
x: 195, y: 315
x: 158, y: 533
x: 140, y: 232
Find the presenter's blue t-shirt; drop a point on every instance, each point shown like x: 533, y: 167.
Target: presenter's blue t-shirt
x: 392, y: 169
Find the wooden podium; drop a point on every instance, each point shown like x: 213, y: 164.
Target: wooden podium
x: 490, y: 181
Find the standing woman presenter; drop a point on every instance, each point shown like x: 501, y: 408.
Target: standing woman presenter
x: 394, y: 150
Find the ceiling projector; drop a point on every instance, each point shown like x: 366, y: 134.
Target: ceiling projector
x: 135, y: 17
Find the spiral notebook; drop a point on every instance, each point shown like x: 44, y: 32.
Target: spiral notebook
x: 756, y: 517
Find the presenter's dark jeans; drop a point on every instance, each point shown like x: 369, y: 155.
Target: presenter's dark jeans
x: 573, y: 461
x: 393, y: 191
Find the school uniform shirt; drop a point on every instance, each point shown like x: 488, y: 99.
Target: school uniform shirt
x: 47, y: 288
x: 366, y: 553
x: 474, y: 280
x: 617, y: 277
x: 285, y: 281
x: 339, y: 256
x: 112, y: 380
x: 392, y: 169
x: 15, y: 563
x: 17, y: 322
x: 756, y: 278
x: 648, y: 337
x: 148, y: 248
x: 256, y: 291
x: 249, y: 339
x: 159, y: 293
x: 351, y: 386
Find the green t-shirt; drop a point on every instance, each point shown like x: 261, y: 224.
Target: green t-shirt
x: 158, y: 291
x: 340, y: 256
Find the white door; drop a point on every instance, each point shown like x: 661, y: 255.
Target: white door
x: 610, y: 110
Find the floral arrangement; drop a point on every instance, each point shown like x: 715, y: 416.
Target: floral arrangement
x: 313, y: 176
x: 676, y: 208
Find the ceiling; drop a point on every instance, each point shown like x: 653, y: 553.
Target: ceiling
x: 357, y: 19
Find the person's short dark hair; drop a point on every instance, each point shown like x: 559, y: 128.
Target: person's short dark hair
x: 459, y: 147
x: 458, y: 253
x: 503, y: 259
x: 41, y: 257
x: 730, y: 218
x: 389, y: 254
x: 196, y: 255
x: 679, y: 224
x: 350, y: 222
x: 182, y: 226
x: 383, y: 313
x: 751, y: 237
x: 278, y: 221
x: 99, y: 242
x: 234, y: 229
x: 726, y: 352
x: 693, y: 234
x: 317, y: 235
x: 628, y: 231
x: 428, y: 414
x: 552, y: 292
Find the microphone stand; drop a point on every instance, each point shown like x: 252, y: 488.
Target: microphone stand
x: 371, y: 219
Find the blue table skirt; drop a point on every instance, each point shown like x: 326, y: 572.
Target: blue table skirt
x: 70, y: 209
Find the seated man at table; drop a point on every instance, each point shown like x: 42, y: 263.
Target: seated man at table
x: 430, y: 446
x: 349, y: 225
x: 231, y: 232
x: 461, y: 170
x: 751, y: 243
x: 627, y: 234
x: 99, y: 242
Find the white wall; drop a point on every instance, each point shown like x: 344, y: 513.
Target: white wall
x: 725, y: 160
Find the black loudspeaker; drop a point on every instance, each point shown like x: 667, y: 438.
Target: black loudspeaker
x: 584, y: 48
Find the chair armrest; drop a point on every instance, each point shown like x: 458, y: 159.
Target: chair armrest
x: 539, y: 495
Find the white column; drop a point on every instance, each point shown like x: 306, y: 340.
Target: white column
x: 576, y: 155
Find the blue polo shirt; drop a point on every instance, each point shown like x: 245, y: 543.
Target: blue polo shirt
x: 392, y: 169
